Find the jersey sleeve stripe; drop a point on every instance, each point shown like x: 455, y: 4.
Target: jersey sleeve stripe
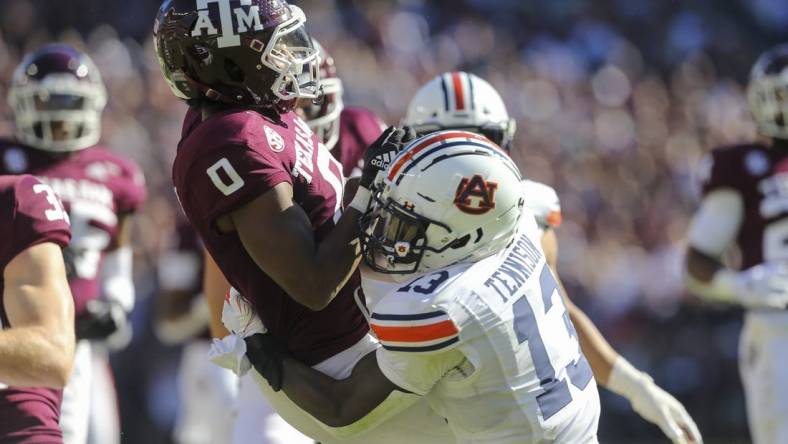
x: 408, y: 317
x: 425, y: 348
x: 415, y: 334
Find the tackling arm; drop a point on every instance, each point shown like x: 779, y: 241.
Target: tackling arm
x: 340, y: 403
x: 38, y: 348
x: 615, y: 373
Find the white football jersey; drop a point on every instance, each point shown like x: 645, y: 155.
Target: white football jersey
x: 543, y: 201
x: 492, y: 347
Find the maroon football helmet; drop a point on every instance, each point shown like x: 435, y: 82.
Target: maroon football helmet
x: 767, y: 92
x: 57, y: 97
x: 242, y: 52
x: 323, y: 115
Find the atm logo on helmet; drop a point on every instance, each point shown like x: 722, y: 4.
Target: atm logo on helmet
x: 247, y: 18
x: 475, y: 195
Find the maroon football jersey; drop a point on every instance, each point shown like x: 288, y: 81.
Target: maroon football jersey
x: 760, y: 176
x: 234, y: 157
x: 97, y: 187
x: 358, y: 128
x: 30, y: 214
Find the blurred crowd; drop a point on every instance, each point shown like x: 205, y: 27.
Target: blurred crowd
x: 616, y: 102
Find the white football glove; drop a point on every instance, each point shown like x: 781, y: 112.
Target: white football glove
x: 230, y: 353
x: 239, y: 318
x: 762, y: 286
x: 653, y: 404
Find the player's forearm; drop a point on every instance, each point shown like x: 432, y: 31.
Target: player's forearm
x: 336, y: 260
x: 362, y: 399
x: 321, y: 273
x: 314, y: 392
x: 215, y: 287
x: 596, y: 349
x: 35, y: 356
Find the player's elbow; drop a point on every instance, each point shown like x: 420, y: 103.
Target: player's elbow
x: 59, y: 374
x: 312, y: 293
x: 699, y: 268
x: 339, y: 416
x: 316, y: 300
x: 57, y: 360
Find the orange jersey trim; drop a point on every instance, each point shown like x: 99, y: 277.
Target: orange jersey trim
x: 420, y: 333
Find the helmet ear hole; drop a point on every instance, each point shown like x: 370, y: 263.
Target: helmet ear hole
x: 461, y: 242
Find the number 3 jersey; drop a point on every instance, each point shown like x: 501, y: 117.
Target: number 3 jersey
x: 492, y: 347
x: 97, y: 188
x: 30, y: 214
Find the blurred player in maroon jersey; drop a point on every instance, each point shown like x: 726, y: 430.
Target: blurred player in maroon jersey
x: 57, y: 97
x: 346, y: 131
x: 265, y: 194
x: 745, y: 205
x: 36, y: 312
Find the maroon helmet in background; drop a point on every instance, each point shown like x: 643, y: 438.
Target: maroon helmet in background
x: 767, y: 92
x: 242, y: 52
x: 57, y: 97
x: 323, y: 115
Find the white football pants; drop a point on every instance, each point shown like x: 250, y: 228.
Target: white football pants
x: 89, y: 413
x: 763, y: 362
x: 208, y: 398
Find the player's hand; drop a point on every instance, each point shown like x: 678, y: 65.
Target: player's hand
x: 656, y: 405
x: 382, y: 151
x: 101, y: 320
x: 764, y: 286
x: 266, y: 354
x: 652, y: 403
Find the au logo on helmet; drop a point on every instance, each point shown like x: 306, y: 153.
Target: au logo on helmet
x: 475, y: 195
x: 246, y: 18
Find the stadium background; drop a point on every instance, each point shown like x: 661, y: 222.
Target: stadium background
x: 616, y: 102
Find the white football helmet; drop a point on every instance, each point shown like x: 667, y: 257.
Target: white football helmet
x: 57, y: 97
x: 767, y: 92
x: 448, y: 197
x: 461, y: 101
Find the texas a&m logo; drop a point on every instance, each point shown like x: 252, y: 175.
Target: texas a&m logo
x: 246, y: 18
x: 475, y: 195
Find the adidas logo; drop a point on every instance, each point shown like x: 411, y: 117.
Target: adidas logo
x: 382, y: 161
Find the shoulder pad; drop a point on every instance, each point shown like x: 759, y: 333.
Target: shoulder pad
x: 411, y: 322
x: 543, y: 201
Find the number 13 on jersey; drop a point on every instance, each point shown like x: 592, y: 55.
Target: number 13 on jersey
x: 556, y: 394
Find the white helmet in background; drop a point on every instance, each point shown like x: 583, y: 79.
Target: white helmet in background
x: 447, y: 198
x: 767, y: 92
x: 461, y: 101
